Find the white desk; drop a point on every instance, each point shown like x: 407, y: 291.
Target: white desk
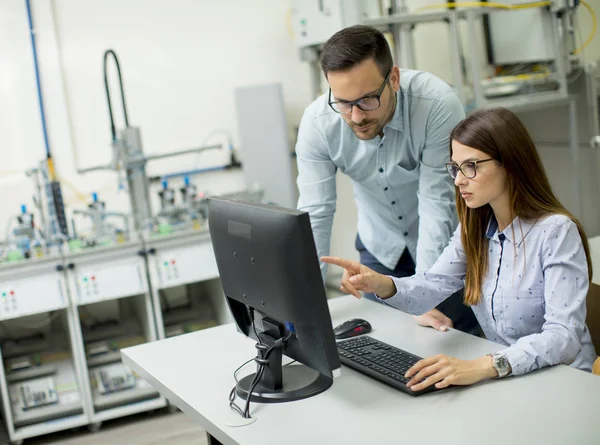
x: 558, y: 405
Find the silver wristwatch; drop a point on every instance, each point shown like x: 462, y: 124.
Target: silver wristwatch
x: 500, y: 364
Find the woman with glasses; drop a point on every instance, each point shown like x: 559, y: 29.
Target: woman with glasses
x: 522, y: 257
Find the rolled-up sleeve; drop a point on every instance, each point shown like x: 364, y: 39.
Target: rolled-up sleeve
x: 437, y: 209
x: 422, y: 292
x: 316, y: 183
x: 566, y: 285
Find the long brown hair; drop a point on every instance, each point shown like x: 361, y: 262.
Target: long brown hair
x: 500, y: 134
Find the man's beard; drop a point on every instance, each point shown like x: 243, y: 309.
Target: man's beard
x: 376, y: 127
x: 371, y: 132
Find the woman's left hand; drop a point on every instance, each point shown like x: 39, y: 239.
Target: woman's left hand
x: 443, y: 371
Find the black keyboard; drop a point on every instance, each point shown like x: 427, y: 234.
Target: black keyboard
x: 380, y: 361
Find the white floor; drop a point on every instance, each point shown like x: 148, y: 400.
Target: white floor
x: 156, y: 428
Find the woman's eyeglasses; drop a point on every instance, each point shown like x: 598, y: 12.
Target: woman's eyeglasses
x: 468, y: 168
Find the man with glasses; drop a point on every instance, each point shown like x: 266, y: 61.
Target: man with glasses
x: 388, y: 131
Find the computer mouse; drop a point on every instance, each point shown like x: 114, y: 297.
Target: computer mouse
x: 352, y: 328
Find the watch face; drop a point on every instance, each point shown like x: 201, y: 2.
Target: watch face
x: 501, y: 363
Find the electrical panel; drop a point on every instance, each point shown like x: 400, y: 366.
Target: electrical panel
x: 26, y: 295
x: 314, y: 21
x: 523, y: 36
x: 188, y: 264
x: 105, y: 281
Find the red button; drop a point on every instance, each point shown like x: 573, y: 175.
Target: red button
x: 172, y: 261
x: 12, y: 292
x: 93, y: 277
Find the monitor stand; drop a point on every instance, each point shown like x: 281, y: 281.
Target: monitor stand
x: 282, y: 383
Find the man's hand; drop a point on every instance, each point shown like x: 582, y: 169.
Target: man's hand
x: 360, y: 278
x: 435, y: 319
x: 443, y: 371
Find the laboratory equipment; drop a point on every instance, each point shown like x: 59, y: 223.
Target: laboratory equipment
x: 128, y: 158
x: 104, y: 231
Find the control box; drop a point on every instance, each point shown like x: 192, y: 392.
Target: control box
x: 29, y: 289
x: 105, y: 281
x: 185, y: 264
x: 314, y: 21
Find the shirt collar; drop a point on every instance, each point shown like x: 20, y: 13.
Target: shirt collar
x: 521, y: 229
x: 397, y: 121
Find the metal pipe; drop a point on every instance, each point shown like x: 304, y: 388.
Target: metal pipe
x: 81, y: 171
x: 475, y: 69
x: 152, y: 158
x: 189, y: 172
x: 561, y: 69
x: 37, y: 78
x: 455, y: 58
x: 183, y: 152
x: 574, y: 143
x: 315, y: 78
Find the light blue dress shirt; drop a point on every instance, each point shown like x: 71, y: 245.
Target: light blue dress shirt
x: 533, y: 294
x: 402, y: 190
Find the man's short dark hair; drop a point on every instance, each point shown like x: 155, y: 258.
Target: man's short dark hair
x: 352, y: 46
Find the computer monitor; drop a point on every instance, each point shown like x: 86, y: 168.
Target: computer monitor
x: 270, y: 275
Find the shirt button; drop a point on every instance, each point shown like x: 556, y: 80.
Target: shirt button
x: 405, y: 233
x: 393, y: 202
x: 385, y: 189
x: 380, y: 170
x: 399, y: 217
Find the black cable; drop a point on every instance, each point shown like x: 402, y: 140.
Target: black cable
x: 240, y: 368
x: 251, y: 389
x: 251, y: 316
x: 107, y: 53
x: 281, y: 342
x: 262, y: 362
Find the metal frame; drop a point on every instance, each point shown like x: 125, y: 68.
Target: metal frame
x: 402, y: 23
x: 99, y: 257
x: 171, y: 246
x: 34, y: 268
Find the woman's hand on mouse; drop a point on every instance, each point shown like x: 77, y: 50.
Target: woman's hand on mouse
x: 443, y: 371
x: 360, y: 278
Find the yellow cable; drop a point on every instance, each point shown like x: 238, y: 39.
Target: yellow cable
x: 288, y: 23
x: 80, y: 196
x: 585, y: 4
x: 594, y: 24
x: 51, y: 172
x: 486, y: 5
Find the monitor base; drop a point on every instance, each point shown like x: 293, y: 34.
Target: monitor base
x: 298, y: 382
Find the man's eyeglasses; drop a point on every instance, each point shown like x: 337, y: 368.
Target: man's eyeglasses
x: 468, y: 169
x: 367, y: 103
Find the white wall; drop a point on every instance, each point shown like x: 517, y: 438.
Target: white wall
x: 180, y: 60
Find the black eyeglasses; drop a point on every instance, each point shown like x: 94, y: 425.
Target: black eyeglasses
x: 468, y: 169
x: 366, y: 103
